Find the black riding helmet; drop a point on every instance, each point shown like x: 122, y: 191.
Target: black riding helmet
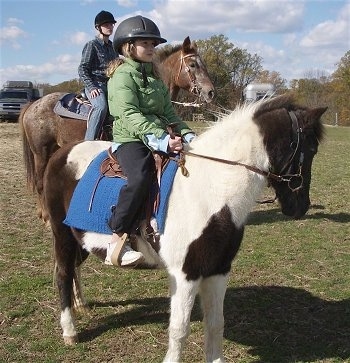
x: 104, y: 17
x: 134, y: 28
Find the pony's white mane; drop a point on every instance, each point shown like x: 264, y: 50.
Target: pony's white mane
x: 234, y: 136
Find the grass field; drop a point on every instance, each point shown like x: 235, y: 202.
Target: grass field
x: 288, y: 298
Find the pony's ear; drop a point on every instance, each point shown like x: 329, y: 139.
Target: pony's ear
x: 316, y: 113
x: 313, y: 120
x: 186, y: 45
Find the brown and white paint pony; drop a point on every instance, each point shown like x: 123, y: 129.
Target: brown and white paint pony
x: 43, y: 131
x: 271, y: 141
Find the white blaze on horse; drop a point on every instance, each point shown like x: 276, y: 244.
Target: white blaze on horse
x: 44, y: 131
x: 271, y: 141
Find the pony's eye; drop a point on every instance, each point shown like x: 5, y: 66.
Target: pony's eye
x: 192, y: 65
x: 313, y: 149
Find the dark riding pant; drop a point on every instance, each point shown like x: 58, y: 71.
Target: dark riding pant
x: 137, y: 163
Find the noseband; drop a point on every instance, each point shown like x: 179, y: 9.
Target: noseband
x: 288, y: 176
x: 194, y: 86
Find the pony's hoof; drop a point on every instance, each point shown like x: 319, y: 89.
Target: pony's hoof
x: 73, y: 340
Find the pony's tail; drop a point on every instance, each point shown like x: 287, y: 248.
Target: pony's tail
x: 28, y: 156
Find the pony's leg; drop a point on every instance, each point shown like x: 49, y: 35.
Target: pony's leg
x: 212, y: 292
x: 70, y: 335
x: 65, y: 271
x: 183, y: 293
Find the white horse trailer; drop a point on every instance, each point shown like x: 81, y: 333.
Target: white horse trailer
x: 257, y: 91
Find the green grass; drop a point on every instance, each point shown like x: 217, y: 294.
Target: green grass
x: 288, y: 298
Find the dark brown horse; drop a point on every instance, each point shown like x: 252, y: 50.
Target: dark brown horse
x: 228, y: 167
x: 43, y: 131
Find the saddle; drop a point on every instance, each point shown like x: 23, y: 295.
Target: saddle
x: 78, y: 106
x: 74, y: 106
x: 110, y: 166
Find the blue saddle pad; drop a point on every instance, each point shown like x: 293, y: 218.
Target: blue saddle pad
x: 90, y: 210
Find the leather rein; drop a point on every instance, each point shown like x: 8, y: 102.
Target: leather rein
x: 290, y: 178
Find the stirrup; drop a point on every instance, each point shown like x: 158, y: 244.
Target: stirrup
x: 115, y: 256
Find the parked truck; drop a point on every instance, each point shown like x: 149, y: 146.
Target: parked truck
x: 257, y: 91
x: 14, y: 95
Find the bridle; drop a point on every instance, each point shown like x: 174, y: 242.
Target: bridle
x: 194, y: 86
x: 297, y: 146
x: 294, y: 180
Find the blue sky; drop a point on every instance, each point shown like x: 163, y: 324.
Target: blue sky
x: 42, y: 41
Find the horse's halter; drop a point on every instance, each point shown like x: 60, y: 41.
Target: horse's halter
x: 295, y: 181
x: 288, y: 176
x: 194, y: 86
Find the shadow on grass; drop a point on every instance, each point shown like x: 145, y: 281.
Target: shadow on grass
x: 274, y: 215
x: 279, y: 324
x: 144, y: 311
x: 283, y: 324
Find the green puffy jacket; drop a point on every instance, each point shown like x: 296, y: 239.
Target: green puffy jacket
x: 139, y: 110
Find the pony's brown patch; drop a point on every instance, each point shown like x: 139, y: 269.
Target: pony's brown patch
x: 212, y: 253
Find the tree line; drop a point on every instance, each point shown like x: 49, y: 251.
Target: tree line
x: 231, y: 69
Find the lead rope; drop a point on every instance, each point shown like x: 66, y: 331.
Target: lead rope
x: 180, y: 161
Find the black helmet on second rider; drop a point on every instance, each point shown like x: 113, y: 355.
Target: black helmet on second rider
x: 134, y: 28
x: 104, y: 17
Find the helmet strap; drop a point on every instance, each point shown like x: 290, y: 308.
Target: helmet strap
x: 99, y: 28
x: 144, y: 75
